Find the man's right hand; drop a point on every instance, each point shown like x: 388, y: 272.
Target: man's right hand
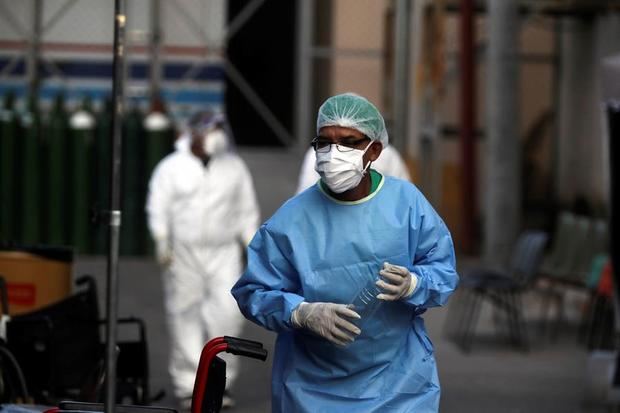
x: 329, y: 320
x: 163, y: 253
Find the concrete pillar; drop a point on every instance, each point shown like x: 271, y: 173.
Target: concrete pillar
x: 581, y: 154
x: 503, y: 149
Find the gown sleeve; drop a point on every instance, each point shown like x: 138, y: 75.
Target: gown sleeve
x: 248, y: 212
x: 267, y: 293
x: 158, y: 202
x: 434, y: 259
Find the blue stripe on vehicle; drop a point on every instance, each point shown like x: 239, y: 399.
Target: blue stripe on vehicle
x: 214, y: 97
x: 91, y: 69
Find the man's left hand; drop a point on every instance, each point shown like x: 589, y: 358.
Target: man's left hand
x: 397, y: 282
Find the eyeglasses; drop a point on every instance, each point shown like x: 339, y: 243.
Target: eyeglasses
x: 345, y: 145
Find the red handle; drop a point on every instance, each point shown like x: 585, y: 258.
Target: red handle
x: 213, y: 347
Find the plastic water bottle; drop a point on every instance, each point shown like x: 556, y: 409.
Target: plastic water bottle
x: 366, y: 302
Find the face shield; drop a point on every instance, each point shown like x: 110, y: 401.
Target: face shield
x: 209, y: 128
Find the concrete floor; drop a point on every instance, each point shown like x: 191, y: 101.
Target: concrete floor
x: 493, y: 378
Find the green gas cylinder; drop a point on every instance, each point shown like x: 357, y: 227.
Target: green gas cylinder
x: 30, y: 168
x: 9, y: 131
x: 82, y: 135
x: 159, y: 136
x: 101, y: 178
x: 133, y: 226
x: 57, y: 173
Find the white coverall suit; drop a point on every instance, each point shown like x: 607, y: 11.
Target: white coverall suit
x: 389, y: 163
x: 206, y: 214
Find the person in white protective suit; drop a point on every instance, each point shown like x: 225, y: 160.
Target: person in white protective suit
x: 389, y: 163
x: 202, y: 212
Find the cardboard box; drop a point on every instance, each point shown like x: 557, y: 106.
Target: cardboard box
x: 35, y: 277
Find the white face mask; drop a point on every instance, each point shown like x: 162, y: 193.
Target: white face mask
x: 215, y: 142
x: 341, y: 171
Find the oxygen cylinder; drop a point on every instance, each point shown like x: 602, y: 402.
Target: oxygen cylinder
x: 30, y: 167
x: 9, y: 131
x: 57, y: 174
x: 132, y: 229
x: 101, y: 179
x: 159, y: 135
x: 82, y: 131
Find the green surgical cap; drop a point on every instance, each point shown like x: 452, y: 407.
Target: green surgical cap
x: 353, y: 111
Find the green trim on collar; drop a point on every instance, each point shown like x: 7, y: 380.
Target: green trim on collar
x: 375, y: 180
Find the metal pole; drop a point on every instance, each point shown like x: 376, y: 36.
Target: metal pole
x: 613, y: 124
x: 155, y: 46
x: 35, y: 49
x: 304, y: 71
x: 115, y: 212
x: 503, y: 188
x: 400, y: 109
x: 577, y: 84
x: 557, y: 104
x: 415, y: 122
x: 468, y: 124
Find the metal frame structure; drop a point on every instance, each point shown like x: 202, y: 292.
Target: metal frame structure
x: 33, y: 36
x: 556, y: 8
x: 469, y: 9
x: 307, y: 52
x: 235, y: 76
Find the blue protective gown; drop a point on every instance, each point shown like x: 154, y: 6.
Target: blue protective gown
x: 318, y: 249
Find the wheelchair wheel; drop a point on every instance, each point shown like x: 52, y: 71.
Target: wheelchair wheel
x: 12, y: 383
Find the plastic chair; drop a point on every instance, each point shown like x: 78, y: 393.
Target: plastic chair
x: 563, y: 247
x: 502, y: 289
x: 587, y: 239
x: 571, y: 248
x: 599, y: 320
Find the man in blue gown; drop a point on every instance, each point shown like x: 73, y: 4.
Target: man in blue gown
x: 354, y: 230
